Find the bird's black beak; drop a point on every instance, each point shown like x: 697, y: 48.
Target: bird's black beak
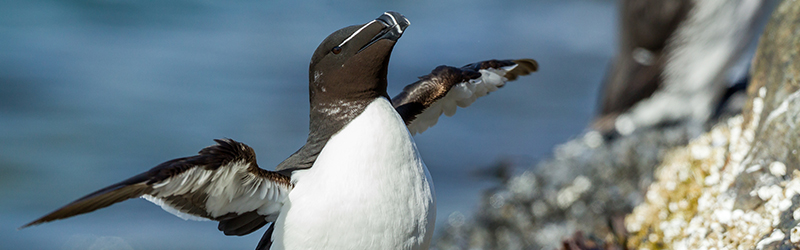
x: 393, y: 26
x: 394, y: 23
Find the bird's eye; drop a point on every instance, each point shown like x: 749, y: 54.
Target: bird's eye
x: 336, y: 50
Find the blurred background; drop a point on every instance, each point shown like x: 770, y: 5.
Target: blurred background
x: 93, y: 92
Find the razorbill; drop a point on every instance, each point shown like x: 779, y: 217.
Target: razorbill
x: 357, y: 183
x: 673, y: 60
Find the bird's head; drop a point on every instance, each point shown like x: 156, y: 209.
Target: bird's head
x: 351, y: 63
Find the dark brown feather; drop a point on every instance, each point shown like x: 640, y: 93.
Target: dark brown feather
x: 242, y: 224
x: 418, y: 96
x: 212, y: 158
x: 524, y: 67
x: 645, y: 26
x: 97, y: 200
x: 266, y: 240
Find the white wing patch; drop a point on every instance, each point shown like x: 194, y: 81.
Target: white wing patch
x: 172, y: 210
x: 461, y: 95
x: 229, y: 189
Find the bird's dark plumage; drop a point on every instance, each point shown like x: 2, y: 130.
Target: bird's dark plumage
x: 347, y: 72
x: 224, y: 156
x: 476, y: 80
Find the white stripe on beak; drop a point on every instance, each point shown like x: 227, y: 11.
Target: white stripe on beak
x: 355, y: 33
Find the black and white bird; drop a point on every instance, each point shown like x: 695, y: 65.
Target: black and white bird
x: 357, y: 183
x: 675, y: 59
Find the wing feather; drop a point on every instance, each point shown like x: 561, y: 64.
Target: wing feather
x: 221, y: 183
x: 446, y: 88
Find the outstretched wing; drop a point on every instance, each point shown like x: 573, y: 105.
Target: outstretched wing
x: 421, y: 103
x: 221, y: 183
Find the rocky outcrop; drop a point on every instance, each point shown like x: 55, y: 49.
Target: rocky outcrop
x: 736, y: 186
x: 589, y: 185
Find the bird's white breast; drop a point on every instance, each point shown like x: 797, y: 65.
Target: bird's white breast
x: 368, y: 189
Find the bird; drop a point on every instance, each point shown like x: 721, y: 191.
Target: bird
x: 674, y: 59
x: 357, y: 183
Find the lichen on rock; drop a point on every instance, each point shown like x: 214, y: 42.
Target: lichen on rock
x: 747, y: 194
x: 735, y: 187
x: 692, y: 203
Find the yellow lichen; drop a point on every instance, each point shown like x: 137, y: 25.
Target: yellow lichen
x: 689, y: 206
x: 672, y: 201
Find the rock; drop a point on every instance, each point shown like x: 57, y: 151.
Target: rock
x: 754, y: 199
x: 736, y: 185
x: 585, y: 187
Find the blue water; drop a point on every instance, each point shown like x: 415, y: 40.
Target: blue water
x: 92, y: 92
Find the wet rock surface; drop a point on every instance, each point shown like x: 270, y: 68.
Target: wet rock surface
x: 736, y: 186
